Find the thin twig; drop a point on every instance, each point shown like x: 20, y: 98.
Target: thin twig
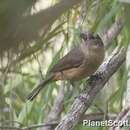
x: 10, y: 127
x: 113, y: 32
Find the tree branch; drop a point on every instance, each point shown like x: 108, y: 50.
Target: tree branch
x: 113, y: 32
x: 127, y: 101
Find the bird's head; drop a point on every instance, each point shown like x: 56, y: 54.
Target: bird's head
x: 92, y: 41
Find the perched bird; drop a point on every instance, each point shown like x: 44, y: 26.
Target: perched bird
x: 80, y: 62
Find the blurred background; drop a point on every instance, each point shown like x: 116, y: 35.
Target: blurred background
x: 34, y: 34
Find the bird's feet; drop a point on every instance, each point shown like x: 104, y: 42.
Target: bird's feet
x: 96, y: 76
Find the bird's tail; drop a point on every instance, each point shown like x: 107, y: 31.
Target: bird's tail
x: 38, y: 88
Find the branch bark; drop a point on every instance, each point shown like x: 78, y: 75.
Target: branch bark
x: 113, y: 32
x: 127, y: 101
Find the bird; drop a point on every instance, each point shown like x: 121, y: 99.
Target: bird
x: 80, y: 62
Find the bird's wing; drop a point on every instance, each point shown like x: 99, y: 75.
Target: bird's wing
x: 72, y: 60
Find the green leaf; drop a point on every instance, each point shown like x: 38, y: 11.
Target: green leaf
x: 106, y: 19
x: 26, y: 109
x: 127, y: 16
x: 55, y: 59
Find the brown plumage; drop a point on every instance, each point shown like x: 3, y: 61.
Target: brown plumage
x: 80, y: 62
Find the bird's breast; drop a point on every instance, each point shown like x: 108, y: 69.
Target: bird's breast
x: 70, y: 74
x: 88, y: 67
